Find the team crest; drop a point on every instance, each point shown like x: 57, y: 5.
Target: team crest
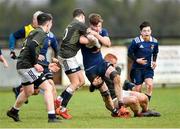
x: 152, y: 47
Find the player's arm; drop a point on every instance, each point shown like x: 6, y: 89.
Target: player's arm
x: 12, y: 41
x: 131, y: 55
x: 44, y: 50
x: 155, y: 53
x: 54, y: 45
x: 3, y: 60
x: 104, y: 40
x: 89, y: 39
x: 131, y: 50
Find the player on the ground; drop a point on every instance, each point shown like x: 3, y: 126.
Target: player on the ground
x: 95, y: 65
x: 31, y: 72
x: 133, y: 99
x: 68, y: 50
x: 143, y: 51
x: 3, y: 60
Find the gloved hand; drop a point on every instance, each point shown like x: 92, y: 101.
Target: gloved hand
x: 13, y: 55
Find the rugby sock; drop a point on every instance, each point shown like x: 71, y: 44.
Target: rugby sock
x: 66, y: 95
x: 51, y: 114
x: 149, y: 97
x: 115, y: 111
x: 14, y: 110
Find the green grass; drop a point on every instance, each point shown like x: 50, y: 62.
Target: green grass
x: 89, y: 112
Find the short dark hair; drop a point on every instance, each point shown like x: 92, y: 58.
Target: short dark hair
x: 78, y: 12
x: 95, y: 18
x: 43, y: 18
x: 144, y: 24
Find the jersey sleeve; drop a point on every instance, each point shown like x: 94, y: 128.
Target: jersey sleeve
x: 20, y: 34
x: 45, y: 47
x: 155, y: 52
x: 131, y: 50
x: 54, y: 45
x: 104, y: 33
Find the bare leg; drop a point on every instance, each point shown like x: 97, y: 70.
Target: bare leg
x: 24, y: 95
x: 106, y: 97
x: 48, y: 95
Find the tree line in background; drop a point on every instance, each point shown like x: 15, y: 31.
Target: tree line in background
x: 121, y: 17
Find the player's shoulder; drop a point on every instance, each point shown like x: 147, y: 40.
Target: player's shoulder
x: 154, y: 40
x: 104, y: 32
x: 137, y: 40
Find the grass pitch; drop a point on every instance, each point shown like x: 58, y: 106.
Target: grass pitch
x: 88, y: 111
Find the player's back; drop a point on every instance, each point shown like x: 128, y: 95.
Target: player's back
x: 70, y: 43
x: 26, y: 59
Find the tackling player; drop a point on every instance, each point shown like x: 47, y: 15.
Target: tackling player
x: 143, y: 51
x: 68, y: 50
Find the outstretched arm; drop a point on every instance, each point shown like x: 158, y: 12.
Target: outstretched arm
x: 3, y: 60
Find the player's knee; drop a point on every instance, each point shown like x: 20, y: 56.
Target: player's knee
x: 29, y: 92
x: 48, y: 87
x: 149, y: 84
x: 81, y: 82
x: 137, y: 88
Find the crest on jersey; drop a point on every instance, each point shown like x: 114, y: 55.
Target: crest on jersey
x: 152, y: 47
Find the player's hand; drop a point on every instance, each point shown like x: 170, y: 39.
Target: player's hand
x: 53, y: 67
x: 41, y: 57
x: 6, y: 65
x: 38, y: 67
x: 153, y: 65
x: 89, y: 30
x: 54, y: 60
x: 141, y: 61
x: 13, y: 55
x: 97, y: 81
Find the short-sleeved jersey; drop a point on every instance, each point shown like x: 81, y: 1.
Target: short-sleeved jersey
x: 143, y: 49
x: 70, y: 44
x: 92, y: 56
x: 25, y: 59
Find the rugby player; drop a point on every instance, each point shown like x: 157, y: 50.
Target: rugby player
x: 31, y: 72
x: 143, y: 51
